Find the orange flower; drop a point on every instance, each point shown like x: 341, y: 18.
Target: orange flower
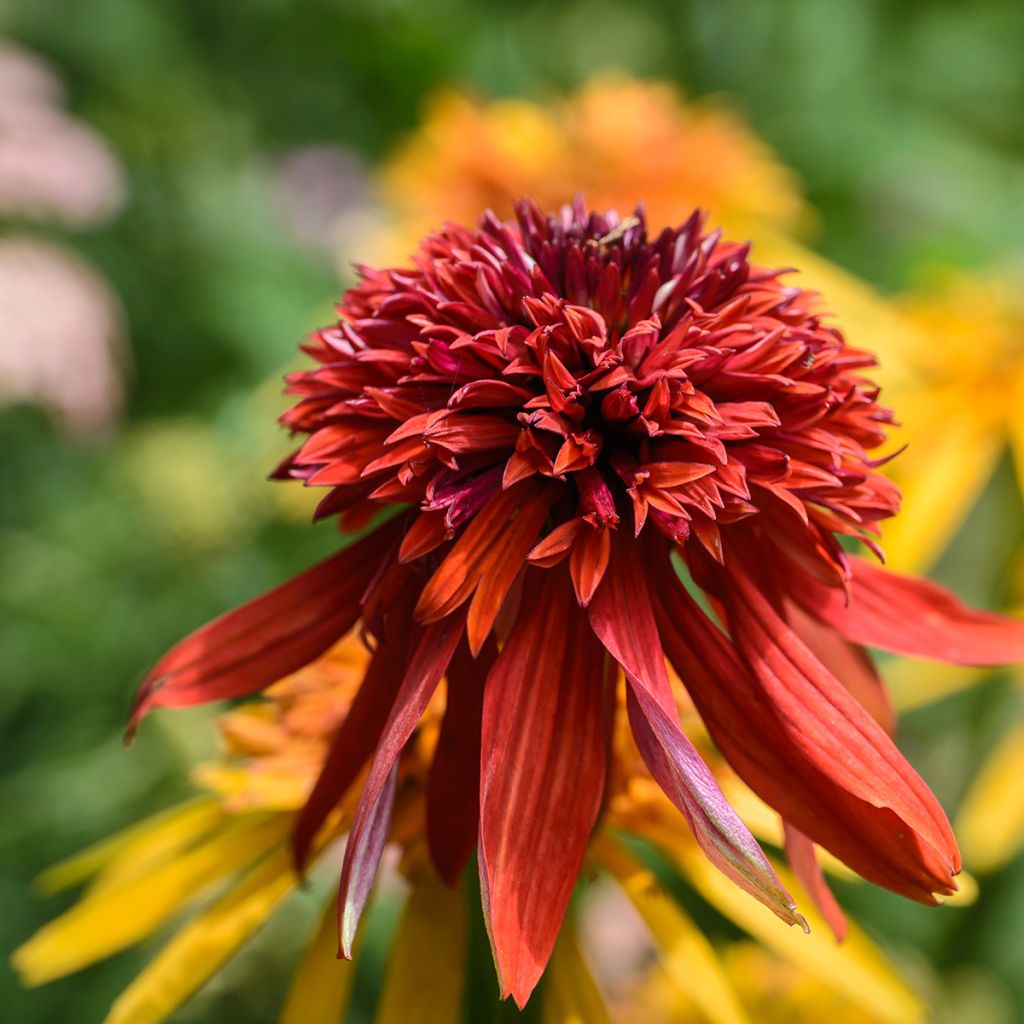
x: 617, y: 140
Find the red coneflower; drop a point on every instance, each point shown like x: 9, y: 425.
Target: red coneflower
x: 568, y: 414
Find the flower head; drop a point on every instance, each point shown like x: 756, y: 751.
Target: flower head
x: 571, y: 416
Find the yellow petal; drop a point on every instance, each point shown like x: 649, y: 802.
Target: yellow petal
x: 424, y: 979
x: 914, y: 683
x: 855, y: 968
x: 322, y: 984
x: 948, y: 461
x: 991, y: 821
x: 147, y: 842
x: 570, y: 994
x: 117, y: 915
x: 203, y: 945
x: 686, y: 955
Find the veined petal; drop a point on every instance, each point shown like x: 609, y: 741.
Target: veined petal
x: 139, y: 847
x: 204, y: 945
x: 501, y: 568
x: 836, y: 733
x: 424, y: 979
x: 362, y: 860
x: 457, y: 576
x: 453, y: 791
x: 915, y: 616
x: 270, y: 637
x: 621, y: 616
x: 542, y: 776
x: 322, y: 984
x: 365, y: 840
x: 803, y: 859
x: 688, y: 782
x: 118, y: 915
x: 355, y: 740
x: 848, y: 662
x: 804, y: 745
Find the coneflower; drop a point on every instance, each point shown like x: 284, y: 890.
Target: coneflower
x: 600, y: 451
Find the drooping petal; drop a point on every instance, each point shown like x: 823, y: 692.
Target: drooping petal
x: 321, y: 985
x: 804, y: 745
x: 362, y: 860
x: 355, y: 740
x: 542, y: 776
x: 139, y: 846
x: 622, y: 617
x: 204, y: 945
x: 270, y: 637
x: 114, y: 916
x: 365, y: 844
x: 424, y: 978
x: 915, y: 616
x: 803, y: 859
x: 453, y: 790
x: 848, y: 662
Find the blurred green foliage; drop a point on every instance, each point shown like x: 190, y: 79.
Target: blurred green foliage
x: 903, y: 120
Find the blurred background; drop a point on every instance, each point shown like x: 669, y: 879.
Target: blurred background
x: 182, y: 188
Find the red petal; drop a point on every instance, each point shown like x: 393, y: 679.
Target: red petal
x: 457, y: 576
x: 805, y: 746
x: 556, y: 546
x: 803, y: 859
x: 542, y: 776
x: 502, y: 566
x: 270, y: 637
x: 621, y: 616
x: 428, y: 663
x: 848, y: 662
x: 918, y: 617
x: 355, y: 740
x: 589, y: 562
x: 453, y: 792
x: 364, y: 862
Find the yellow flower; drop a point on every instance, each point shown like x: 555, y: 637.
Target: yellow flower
x: 958, y: 381
x: 220, y: 866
